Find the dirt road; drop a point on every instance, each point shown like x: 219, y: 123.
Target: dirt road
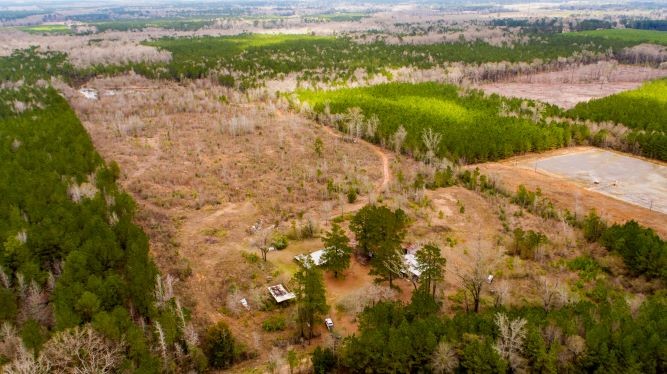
x: 379, y: 151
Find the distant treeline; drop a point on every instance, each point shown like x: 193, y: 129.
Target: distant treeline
x: 551, y: 25
x: 647, y: 24
x: 249, y: 59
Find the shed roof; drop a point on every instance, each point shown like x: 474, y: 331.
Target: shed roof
x: 316, y: 256
x: 413, y: 264
x: 280, y: 293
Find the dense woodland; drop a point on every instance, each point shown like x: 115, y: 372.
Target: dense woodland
x: 471, y: 126
x: 644, y: 110
x: 71, y: 256
x: 647, y: 24
x: 598, y: 335
x: 29, y: 65
x: 70, y: 252
x: 332, y: 59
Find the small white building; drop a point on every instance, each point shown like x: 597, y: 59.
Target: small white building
x: 280, y: 293
x: 412, y: 265
x: 316, y: 257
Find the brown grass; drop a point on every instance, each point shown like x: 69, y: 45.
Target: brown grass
x: 567, y: 88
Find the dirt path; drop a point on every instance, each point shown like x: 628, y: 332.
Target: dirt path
x: 379, y: 151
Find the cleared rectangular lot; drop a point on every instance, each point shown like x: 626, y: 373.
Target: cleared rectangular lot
x: 631, y: 179
x: 567, y: 177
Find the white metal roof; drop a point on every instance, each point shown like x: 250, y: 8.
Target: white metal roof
x: 315, y: 256
x: 280, y: 293
x: 413, y: 264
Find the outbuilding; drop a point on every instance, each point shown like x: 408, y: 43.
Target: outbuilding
x: 317, y: 257
x: 280, y: 293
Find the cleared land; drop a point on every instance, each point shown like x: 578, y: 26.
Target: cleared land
x: 203, y: 172
x: 627, y: 178
x: 567, y: 88
x: 199, y: 188
x: 570, y: 194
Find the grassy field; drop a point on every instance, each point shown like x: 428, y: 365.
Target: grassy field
x: 629, y: 35
x: 470, y: 125
x: 337, y: 17
x: 51, y: 29
x: 172, y: 24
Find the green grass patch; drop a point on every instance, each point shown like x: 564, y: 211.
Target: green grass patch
x: 587, y: 267
x: 49, y: 29
x: 188, y: 24
x: 628, y: 35
x: 274, y: 323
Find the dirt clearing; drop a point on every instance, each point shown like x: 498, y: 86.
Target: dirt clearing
x: 627, y: 178
x: 567, y: 88
x: 576, y: 195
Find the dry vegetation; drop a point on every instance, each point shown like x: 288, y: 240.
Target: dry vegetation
x: 204, y: 171
x: 575, y: 84
x: 215, y: 171
x: 89, y: 50
x: 569, y: 194
x: 206, y: 164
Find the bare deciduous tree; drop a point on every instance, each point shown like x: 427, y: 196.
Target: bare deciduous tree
x: 81, y: 350
x: 355, y: 122
x: 431, y: 141
x: 10, y: 341
x: 399, y: 138
x: 512, y: 333
x: 372, y: 125
x: 162, y: 342
x: 399, y: 268
x: 576, y: 345
x: 24, y: 362
x: 501, y: 291
x: 4, y: 278
x: 189, y: 333
x: 239, y: 125
x: 262, y: 240
x: 473, y: 281
x: 164, y: 290
x: 553, y: 294
x: 355, y: 302
x: 35, y: 305
x: 444, y: 359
